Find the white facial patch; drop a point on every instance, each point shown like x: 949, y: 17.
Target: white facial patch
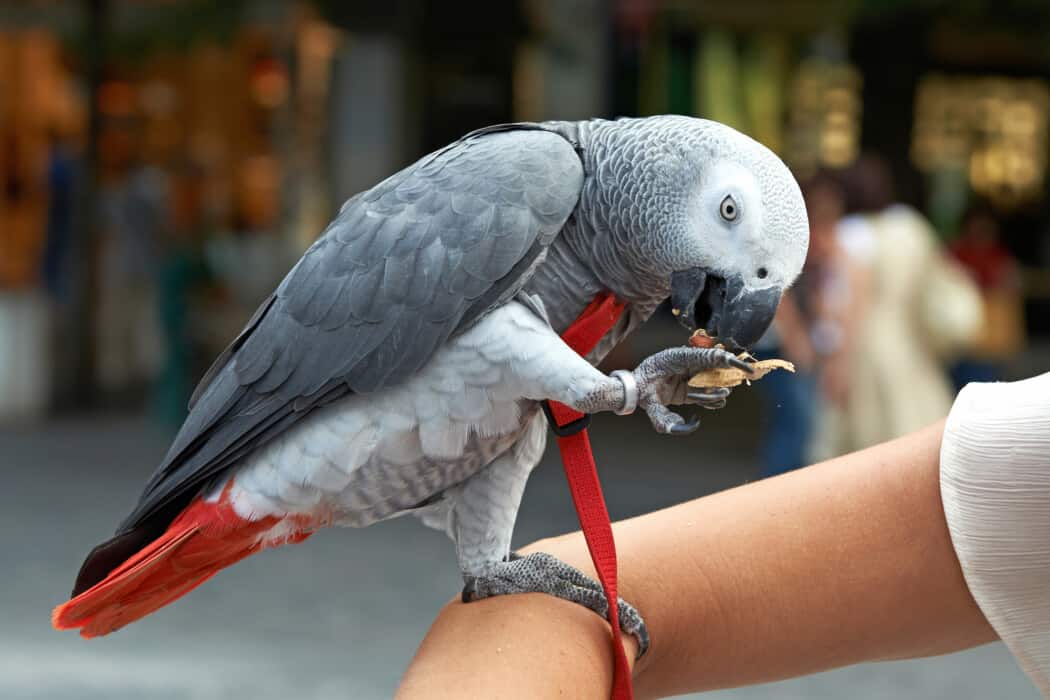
x: 729, y: 243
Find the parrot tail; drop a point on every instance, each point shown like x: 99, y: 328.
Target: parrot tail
x: 204, y: 538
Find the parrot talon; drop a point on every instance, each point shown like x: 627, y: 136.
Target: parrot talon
x: 685, y: 428
x: 709, y: 394
x: 663, y: 380
x: 543, y: 573
x: 742, y: 365
x: 469, y: 592
x: 708, y: 399
x: 470, y: 583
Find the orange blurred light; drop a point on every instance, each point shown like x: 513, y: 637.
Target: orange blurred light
x: 269, y: 83
x: 116, y: 98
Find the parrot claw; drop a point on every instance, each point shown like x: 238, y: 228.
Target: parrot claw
x: 470, y: 590
x: 543, y: 573
x: 707, y: 401
x: 742, y: 365
x: 663, y: 379
x: 685, y: 428
x: 710, y: 398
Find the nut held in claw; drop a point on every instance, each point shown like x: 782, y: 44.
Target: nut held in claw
x: 731, y: 376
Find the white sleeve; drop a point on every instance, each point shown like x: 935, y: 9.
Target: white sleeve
x: 995, y: 486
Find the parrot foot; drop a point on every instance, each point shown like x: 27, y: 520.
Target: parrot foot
x: 543, y: 573
x: 663, y: 380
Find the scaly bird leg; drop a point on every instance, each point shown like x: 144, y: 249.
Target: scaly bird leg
x: 663, y: 381
x: 543, y: 573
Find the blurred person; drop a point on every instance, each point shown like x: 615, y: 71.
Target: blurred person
x: 866, y: 187
x: 182, y: 273
x: 58, y: 273
x: 906, y: 306
x: 61, y: 201
x: 995, y: 271
x: 789, y: 398
x: 25, y: 372
x: 134, y: 210
x: 806, y: 328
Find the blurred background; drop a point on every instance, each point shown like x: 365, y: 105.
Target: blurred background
x: 163, y: 163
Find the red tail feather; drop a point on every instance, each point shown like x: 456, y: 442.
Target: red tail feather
x: 205, y: 538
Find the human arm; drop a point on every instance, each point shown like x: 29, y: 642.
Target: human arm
x: 843, y: 562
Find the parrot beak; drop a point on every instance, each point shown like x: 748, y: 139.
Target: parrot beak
x: 724, y: 307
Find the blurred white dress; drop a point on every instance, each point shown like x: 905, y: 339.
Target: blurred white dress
x: 995, y: 485
x: 897, y: 381
x: 898, y: 384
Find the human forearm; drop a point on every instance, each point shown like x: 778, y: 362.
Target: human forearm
x: 844, y: 562
x: 537, y: 646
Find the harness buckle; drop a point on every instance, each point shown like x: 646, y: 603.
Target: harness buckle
x: 570, y: 428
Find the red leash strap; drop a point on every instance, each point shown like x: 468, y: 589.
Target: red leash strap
x: 571, y: 428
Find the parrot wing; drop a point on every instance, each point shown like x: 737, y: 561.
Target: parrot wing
x: 404, y: 265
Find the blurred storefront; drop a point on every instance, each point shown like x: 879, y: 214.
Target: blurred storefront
x: 40, y: 112
x: 229, y: 133
x: 956, y: 99
x: 199, y: 146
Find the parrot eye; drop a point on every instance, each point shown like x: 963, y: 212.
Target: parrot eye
x: 728, y: 209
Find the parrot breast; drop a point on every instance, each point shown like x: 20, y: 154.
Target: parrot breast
x: 370, y: 457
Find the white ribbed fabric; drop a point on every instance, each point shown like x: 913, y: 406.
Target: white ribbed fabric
x: 995, y: 485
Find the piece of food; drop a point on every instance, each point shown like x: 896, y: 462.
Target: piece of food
x: 732, y: 376
x: 700, y: 339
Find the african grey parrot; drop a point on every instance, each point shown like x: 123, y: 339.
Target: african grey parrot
x: 400, y: 365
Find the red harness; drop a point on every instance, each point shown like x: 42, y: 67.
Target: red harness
x: 571, y: 428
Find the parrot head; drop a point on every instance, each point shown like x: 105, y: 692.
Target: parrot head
x: 724, y: 229
x: 748, y: 234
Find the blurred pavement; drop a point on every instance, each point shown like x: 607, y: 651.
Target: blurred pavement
x: 338, y: 616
